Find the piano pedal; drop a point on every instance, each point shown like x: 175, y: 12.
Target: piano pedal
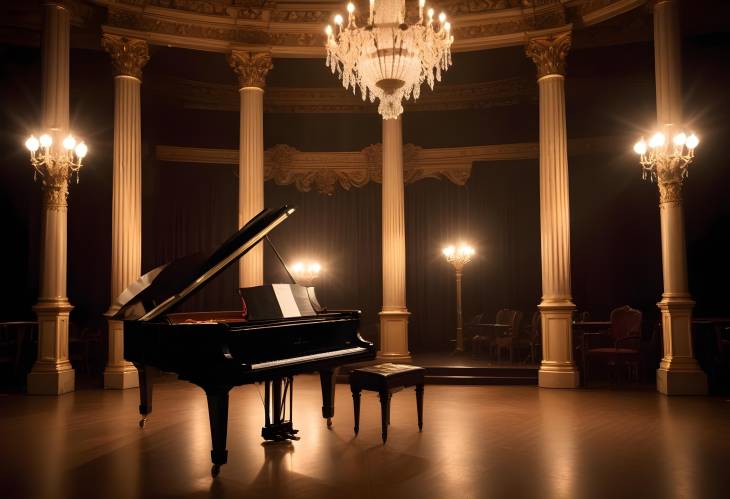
x: 279, y: 432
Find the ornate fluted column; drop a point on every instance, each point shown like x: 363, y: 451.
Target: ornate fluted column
x: 52, y: 373
x: 128, y: 57
x: 251, y: 69
x: 557, y: 369
x: 394, y: 316
x: 678, y: 373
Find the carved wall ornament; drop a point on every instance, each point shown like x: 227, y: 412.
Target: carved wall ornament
x: 549, y: 53
x: 250, y: 67
x: 129, y: 55
x: 325, y: 171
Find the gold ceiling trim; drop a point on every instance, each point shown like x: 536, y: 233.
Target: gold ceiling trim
x: 192, y: 94
x: 296, y: 29
x: 325, y: 171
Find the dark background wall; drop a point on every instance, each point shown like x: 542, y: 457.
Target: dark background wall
x: 615, y: 240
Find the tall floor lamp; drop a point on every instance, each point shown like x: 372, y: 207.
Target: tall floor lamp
x: 459, y: 257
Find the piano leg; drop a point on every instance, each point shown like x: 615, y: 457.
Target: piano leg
x: 356, y: 405
x: 218, y: 413
x: 146, y: 382
x: 327, y: 380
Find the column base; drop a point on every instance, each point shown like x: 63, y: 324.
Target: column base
x: 121, y: 377
x: 394, y: 336
x: 557, y: 370
x: 558, y: 375
x: 51, y: 379
x: 52, y: 373
x: 681, y: 377
x: 678, y: 373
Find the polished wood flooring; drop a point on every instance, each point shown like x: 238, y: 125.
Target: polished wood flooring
x: 477, y: 442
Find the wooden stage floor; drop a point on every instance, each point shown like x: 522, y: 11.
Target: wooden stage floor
x: 477, y: 442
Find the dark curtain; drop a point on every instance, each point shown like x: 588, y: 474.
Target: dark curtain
x: 195, y: 209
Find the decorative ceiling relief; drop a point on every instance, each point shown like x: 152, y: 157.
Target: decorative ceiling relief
x: 326, y: 171
x: 296, y: 29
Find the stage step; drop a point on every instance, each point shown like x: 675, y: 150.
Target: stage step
x: 465, y: 375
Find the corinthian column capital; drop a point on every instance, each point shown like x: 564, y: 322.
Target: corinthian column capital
x: 129, y: 55
x: 250, y: 67
x: 549, y: 52
x: 670, y: 177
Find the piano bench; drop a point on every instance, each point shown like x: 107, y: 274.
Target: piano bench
x: 386, y: 379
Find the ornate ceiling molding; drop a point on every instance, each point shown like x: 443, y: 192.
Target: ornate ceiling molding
x: 286, y: 165
x: 296, y: 29
x: 221, y: 97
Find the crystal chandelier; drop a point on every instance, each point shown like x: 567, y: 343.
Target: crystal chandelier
x: 387, y: 58
x: 658, y: 158
x: 55, y: 165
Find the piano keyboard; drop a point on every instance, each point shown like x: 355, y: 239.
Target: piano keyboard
x: 307, y: 358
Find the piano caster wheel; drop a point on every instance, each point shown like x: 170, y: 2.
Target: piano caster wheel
x: 142, y: 422
x: 215, y: 470
x: 329, y: 422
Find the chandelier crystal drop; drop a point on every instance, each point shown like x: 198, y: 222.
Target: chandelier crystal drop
x: 387, y: 58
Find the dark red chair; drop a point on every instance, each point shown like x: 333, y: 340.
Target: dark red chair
x: 619, y: 349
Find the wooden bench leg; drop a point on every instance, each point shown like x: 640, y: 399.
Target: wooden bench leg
x: 384, y: 412
x: 356, y: 406
x: 419, y: 405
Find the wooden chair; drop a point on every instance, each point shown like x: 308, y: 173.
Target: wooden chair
x: 619, y: 347
x: 508, y: 338
x: 531, y: 339
x: 486, y: 333
x: 471, y: 328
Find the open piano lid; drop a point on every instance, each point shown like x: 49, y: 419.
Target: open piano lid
x: 156, y: 292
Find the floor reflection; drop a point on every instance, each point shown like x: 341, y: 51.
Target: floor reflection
x: 477, y: 441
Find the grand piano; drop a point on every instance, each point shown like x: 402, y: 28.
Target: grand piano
x: 220, y: 350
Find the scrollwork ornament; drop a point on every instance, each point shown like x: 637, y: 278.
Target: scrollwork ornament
x: 250, y: 67
x: 55, y: 189
x: 549, y: 53
x: 670, y: 192
x: 129, y: 55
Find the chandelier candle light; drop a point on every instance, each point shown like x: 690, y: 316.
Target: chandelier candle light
x: 459, y: 257
x: 667, y: 162
x: 387, y: 58
x: 305, y: 274
x: 55, y: 165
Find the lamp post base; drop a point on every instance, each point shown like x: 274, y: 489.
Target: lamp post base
x: 52, y: 373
